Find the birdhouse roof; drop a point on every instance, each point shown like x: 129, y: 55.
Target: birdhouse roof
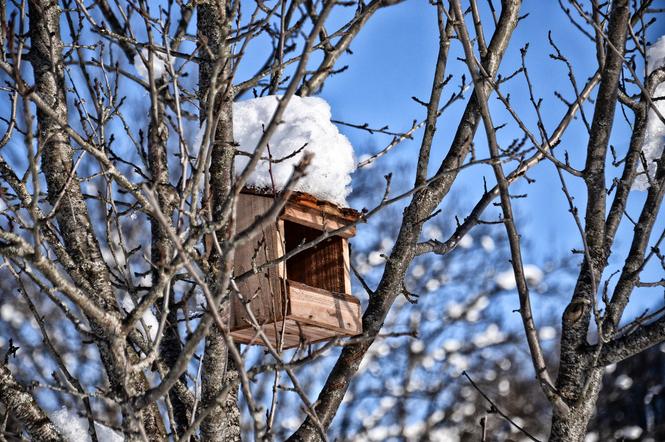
x: 304, y: 199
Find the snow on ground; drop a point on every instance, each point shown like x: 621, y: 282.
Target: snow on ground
x: 306, y: 122
x: 75, y: 428
x: 655, y: 132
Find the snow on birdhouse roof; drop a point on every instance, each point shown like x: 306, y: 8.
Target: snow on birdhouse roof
x: 305, y: 126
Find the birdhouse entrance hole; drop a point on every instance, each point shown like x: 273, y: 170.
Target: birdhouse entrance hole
x: 307, y: 298
x: 321, y: 266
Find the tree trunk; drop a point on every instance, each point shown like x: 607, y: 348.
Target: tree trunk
x: 72, y: 215
x: 216, y: 97
x: 571, y: 426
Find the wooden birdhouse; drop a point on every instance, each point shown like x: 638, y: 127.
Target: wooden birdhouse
x: 307, y: 298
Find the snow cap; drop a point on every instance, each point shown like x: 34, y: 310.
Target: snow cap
x: 158, y: 64
x: 654, y: 139
x: 305, y: 122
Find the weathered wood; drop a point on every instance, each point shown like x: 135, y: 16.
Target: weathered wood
x: 295, y: 334
x: 303, y: 199
x: 306, y: 299
x: 316, y: 219
x: 306, y: 200
x: 346, y: 266
x: 263, y: 290
x: 334, y: 311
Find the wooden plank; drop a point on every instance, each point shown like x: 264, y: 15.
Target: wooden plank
x: 294, y: 334
x: 316, y: 219
x: 346, y: 266
x: 249, y: 336
x: 307, y: 200
x: 340, y: 313
x: 265, y: 290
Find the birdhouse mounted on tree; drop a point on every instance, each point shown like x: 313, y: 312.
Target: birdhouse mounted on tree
x: 307, y: 298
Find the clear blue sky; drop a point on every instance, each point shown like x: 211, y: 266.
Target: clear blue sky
x: 393, y: 59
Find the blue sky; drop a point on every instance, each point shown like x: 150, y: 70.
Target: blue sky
x: 393, y: 59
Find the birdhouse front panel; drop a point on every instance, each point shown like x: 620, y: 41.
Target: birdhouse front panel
x: 308, y: 297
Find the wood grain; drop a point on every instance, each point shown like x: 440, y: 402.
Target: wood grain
x: 264, y: 290
x: 304, y: 300
x: 316, y: 219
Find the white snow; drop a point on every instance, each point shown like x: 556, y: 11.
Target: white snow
x: 158, y: 64
x: 487, y: 243
x: 452, y: 345
x: 417, y: 346
x: 472, y: 315
x: 506, y: 280
x: 631, y: 433
x: 291, y: 423
x: 459, y: 362
x: 75, y: 428
x: 480, y: 304
x: 10, y: 314
x: 466, y: 241
x: 454, y: 310
x: 411, y: 433
x: 418, y: 271
x: 491, y: 335
x: 547, y: 333
x: 655, y: 132
x: 433, y: 232
x: 591, y: 437
x: 305, y: 123
x: 504, y: 386
x: 624, y: 382
x: 432, y: 285
x: 149, y: 319
x: 375, y: 258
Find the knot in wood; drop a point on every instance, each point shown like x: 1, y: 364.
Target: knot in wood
x: 575, y: 310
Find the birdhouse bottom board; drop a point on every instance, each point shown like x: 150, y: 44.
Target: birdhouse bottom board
x: 305, y: 299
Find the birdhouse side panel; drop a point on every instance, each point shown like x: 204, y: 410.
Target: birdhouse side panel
x: 263, y: 291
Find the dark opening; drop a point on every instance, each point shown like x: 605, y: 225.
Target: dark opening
x: 321, y: 266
